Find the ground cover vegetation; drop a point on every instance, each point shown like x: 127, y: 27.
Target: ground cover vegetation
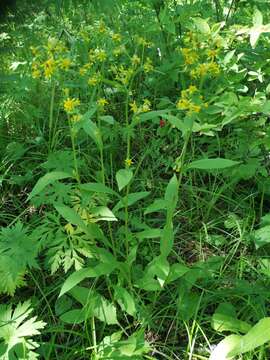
x: 134, y: 209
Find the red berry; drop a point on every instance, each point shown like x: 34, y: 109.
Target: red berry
x: 162, y: 122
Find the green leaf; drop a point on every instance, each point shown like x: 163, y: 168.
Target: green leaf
x: 46, y: 180
x: 257, y: 18
x: 158, y: 205
x: 258, y: 335
x: 171, y: 193
x: 123, y: 178
x: 202, y: 25
x: 224, y: 319
x: 76, y: 316
x: 261, y: 236
x: 211, y: 164
x: 80, y: 275
x: 177, y: 271
x: 234, y: 345
x: 125, y: 300
x: 92, y: 130
x: 104, y: 310
x: 223, y: 348
x: 130, y: 199
x: 71, y: 216
x: 103, y: 213
x: 98, y: 188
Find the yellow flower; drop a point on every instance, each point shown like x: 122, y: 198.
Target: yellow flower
x: 128, y: 162
x: 193, y: 108
x: 49, y: 67
x: 116, y: 37
x: 134, y: 107
x: 135, y: 60
x: 146, y: 106
x: 76, y: 117
x: 36, y: 74
x: 71, y: 104
x: 35, y: 70
x: 148, y: 66
x: 183, y: 104
x: 100, y: 55
x: 102, y: 27
x: 94, y: 80
x: 119, y: 50
x: 192, y: 89
x: 69, y: 228
x: 214, y: 68
x: 82, y: 71
x: 211, y: 53
x: 190, y: 56
x: 102, y: 102
x: 65, y: 64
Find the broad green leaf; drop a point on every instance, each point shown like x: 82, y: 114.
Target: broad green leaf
x: 93, y: 131
x: 71, y: 216
x: 97, y: 187
x: 211, y: 164
x: 104, y: 310
x: 222, y: 322
x: 158, y: 205
x: 123, y: 178
x: 223, y: 348
x: 177, y: 271
x: 125, y: 300
x: 257, y: 336
x: 167, y: 239
x: 80, y: 275
x: 257, y: 18
x: 76, y: 316
x: 261, y: 236
x: 103, y: 213
x: 130, y: 199
x: 94, y: 304
x: 149, y: 234
x: 107, y: 119
x: 202, y: 25
x: 171, y: 193
x: 46, y: 180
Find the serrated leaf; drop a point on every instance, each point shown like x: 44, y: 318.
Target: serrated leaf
x: 123, y: 178
x: 46, y: 180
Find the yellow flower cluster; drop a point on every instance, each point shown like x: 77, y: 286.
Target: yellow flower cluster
x: 102, y: 102
x: 186, y: 100
x: 190, y: 56
x: 122, y: 74
x: 148, y: 66
x: 145, y: 107
x: 211, y: 69
x: 70, y: 104
x: 49, y: 68
x: 94, y: 79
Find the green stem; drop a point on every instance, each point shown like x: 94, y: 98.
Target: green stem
x: 51, y: 116
x: 75, y: 161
